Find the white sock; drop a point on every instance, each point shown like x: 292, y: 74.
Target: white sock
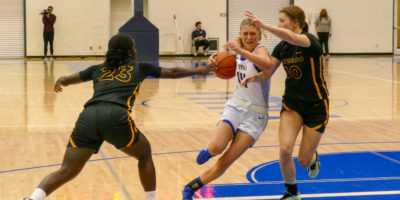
x: 151, y: 195
x: 38, y: 194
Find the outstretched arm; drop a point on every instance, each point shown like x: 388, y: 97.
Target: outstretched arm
x: 285, y: 34
x: 66, y: 80
x: 178, y: 72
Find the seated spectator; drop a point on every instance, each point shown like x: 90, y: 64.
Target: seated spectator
x: 199, y: 39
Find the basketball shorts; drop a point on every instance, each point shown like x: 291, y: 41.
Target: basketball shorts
x: 104, y: 121
x: 240, y: 118
x: 315, y: 114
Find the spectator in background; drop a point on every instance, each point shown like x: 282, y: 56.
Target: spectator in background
x: 323, y: 26
x: 199, y: 39
x: 48, y: 19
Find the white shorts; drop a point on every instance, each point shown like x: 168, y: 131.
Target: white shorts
x: 240, y: 118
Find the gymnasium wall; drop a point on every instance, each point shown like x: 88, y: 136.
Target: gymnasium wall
x: 84, y: 27
x: 187, y: 13
x: 79, y: 26
x: 358, y: 26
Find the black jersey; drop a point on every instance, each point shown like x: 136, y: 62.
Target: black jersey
x: 121, y: 85
x: 304, y: 69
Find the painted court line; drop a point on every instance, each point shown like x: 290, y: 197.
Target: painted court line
x: 345, y: 194
x: 365, y: 76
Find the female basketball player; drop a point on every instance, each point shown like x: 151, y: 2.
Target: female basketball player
x: 106, y: 115
x: 245, y: 116
x: 305, y: 101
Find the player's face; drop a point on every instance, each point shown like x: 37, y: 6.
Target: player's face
x: 286, y: 22
x: 250, y: 37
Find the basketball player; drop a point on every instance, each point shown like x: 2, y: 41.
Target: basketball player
x: 305, y: 102
x: 106, y: 115
x: 245, y: 116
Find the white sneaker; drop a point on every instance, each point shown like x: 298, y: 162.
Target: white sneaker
x: 313, y: 170
x: 195, y: 53
x: 52, y: 58
x: 206, y: 52
x: 45, y: 58
x: 27, y: 199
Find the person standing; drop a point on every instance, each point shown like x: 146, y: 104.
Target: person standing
x: 107, y: 115
x: 199, y: 39
x: 305, y: 103
x: 48, y: 19
x: 245, y: 116
x: 323, y: 27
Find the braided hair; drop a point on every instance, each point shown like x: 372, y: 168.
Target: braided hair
x: 120, y: 48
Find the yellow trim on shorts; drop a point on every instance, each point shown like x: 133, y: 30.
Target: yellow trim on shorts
x: 72, y: 142
x: 133, y: 130
x: 327, y: 116
x: 284, y: 105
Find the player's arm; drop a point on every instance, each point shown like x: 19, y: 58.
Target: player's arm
x: 178, y: 72
x: 260, y: 57
x: 285, y: 34
x: 263, y: 75
x: 66, y: 80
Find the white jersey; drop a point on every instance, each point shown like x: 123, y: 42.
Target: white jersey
x: 256, y: 93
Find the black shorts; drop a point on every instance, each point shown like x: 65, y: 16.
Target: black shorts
x: 104, y: 121
x: 315, y: 114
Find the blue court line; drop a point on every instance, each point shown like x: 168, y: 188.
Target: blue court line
x: 116, y: 176
x: 190, y: 151
x: 371, y: 151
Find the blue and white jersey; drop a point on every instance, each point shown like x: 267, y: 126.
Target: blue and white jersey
x: 256, y: 93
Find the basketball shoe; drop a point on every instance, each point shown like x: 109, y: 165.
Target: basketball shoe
x: 27, y: 199
x: 204, y: 156
x: 187, y: 193
x: 313, y: 170
x: 289, y: 196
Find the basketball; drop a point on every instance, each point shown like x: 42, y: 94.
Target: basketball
x: 226, y: 65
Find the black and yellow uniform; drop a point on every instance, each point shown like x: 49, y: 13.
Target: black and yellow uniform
x: 305, y: 86
x: 107, y: 114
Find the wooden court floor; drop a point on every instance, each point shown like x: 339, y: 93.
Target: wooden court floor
x: 178, y: 117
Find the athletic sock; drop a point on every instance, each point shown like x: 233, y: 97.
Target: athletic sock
x: 151, y: 195
x: 291, y: 187
x: 38, y: 194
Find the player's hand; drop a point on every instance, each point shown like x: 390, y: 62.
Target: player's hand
x: 249, y: 79
x: 58, y: 86
x: 210, y: 66
x: 206, y: 69
x: 232, y: 46
x: 211, y: 59
x: 256, y: 20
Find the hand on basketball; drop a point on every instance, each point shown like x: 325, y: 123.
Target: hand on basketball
x: 211, y: 66
x: 250, y: 15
